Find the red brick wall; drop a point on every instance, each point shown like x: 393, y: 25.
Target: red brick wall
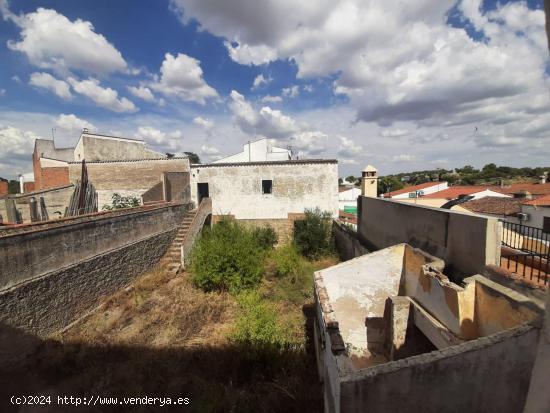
x: 28, y: 187
x: 37, y: 171
x: 54, y: 177
x: 3, y: 187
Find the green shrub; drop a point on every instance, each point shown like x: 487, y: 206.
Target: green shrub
x: 286, y: 260
x: 266, y: 237
x: 227, y: 258
x: 257, y: 321
x: 313, y: 234
x: 118, y: 201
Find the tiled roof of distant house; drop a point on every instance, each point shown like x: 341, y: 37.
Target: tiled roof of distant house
x: 542, y: 201
x: 534, y: 189
x: 412, y: 188
x: 454, y: 192
x: 495, y: 205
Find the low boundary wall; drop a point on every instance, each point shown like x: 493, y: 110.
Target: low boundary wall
x: 347, y: 242
x: 31, y: 254
x: 50, y: 302
x: 466, y: 242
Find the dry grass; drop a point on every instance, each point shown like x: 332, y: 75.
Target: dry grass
x: 160, y: 309
x: 163, y: 337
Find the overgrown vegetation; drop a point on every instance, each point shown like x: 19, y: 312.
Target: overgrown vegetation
x: 313, y: 234
x: 118, y: 202
x: 238, y: 349
x: 265, y: 237
x: 257, y: 321
x: 228, y: 257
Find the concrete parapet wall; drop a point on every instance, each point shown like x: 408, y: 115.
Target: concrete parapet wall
x: 201, y: 218
x: 56, y: 200
x: 347, y: 242
x: 50, y: 302
x: 31, y: 254
x: 466, y: 242
x: 457, y: 379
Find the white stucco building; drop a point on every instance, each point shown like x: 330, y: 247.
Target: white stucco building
x: 274, y: 192
x: 261, y: 150
x: 347, y: 197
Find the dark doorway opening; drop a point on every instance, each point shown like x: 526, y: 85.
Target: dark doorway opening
x: 202, y: 190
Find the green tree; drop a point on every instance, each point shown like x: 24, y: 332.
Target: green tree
x: 388, y: 184
x: 351, y: 179
x: 13, y: 186
x: 313, y: 234
x: 118, y: 201
x: 193, y: 157
x: 227, y: 257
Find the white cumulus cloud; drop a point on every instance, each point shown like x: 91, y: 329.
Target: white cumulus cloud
x: 142, y: 92
x: 72, y: 123
x: 103, y: 96
x: 181, y: 76
x: 52, y: 41
x: 46, y: 81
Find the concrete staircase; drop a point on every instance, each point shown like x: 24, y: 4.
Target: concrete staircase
x: 172, y: 258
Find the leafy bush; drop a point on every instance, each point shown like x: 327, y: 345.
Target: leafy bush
x: 227, y: 258
x: 286, y: 260
x: 119, y: 201
x: 257, y: 321
x: 313, y: 234
x: 266, y: 237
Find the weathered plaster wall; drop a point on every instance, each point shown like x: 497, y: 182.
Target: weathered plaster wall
x: 466, y: 242
x: 499, y: 308
x: 50, y: 302
x: 490, y: 374
x: 347, y: 243
x: 128, y: 178
x: 96, y: 148
x: 237, y: 189
x: 31, y: 254
x: 56, y: 200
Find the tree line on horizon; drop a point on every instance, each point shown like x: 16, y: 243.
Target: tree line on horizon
x: 490, y: 174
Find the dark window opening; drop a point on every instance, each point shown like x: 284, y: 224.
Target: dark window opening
x: 267, y: 186
x: 546, y: 224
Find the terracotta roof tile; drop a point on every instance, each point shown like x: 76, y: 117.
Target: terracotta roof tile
x: 542, y: 201
x: 494, y: 205
x: 454, y: 192
x: 412, y: 188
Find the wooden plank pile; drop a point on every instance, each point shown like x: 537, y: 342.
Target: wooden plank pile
x: 84, y: 198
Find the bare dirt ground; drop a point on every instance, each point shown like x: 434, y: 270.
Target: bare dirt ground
x: 164, y: 338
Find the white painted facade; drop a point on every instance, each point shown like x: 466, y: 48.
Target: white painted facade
x: 296, y: 185
x: 488, y: 192
x: 436, y: 187
x: 348, y: 198
x: 261, y: 150
x: 536, y: 215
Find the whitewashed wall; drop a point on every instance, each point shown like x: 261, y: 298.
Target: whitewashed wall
x: 237, y: 189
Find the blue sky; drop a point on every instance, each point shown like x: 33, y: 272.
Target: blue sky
x: 429, y: 84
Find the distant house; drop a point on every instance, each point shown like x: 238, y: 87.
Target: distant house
x: 417, y: 191
x: 347, y: 199
x: 536, y: 213
x: 261, y: 150
x: 477, y: 191
x: 505, y: 208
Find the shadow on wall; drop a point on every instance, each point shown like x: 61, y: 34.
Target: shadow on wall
x: 215, y: 379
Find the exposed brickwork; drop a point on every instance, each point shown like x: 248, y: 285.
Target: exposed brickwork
x: 283, y: 227
x: 54, y: 177
x: 28, y: 187
x: 3, y: 187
